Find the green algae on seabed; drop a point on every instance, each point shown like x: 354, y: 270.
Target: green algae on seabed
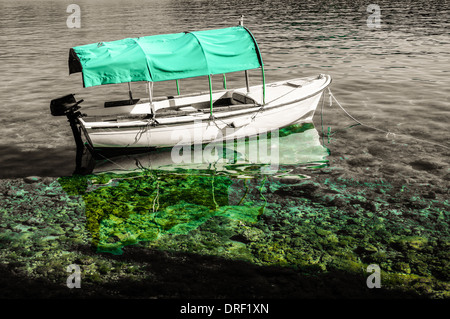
x: 126, y: 209
x: 318, y: 226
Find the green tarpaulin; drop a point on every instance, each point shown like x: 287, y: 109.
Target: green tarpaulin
x: 166, y: 57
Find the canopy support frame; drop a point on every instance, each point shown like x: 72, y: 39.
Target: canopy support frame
x: 150, y: 97
x: 247, y: 81
x: 210, y: 97
x: 129, y: 91
x: 224, y: 81
x: 263, y: 84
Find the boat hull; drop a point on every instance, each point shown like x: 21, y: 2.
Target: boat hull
x: 291, y: 106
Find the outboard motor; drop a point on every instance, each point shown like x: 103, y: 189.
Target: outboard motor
x: 64, y: 105
x: 68, y: 106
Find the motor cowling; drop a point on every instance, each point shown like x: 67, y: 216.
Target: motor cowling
x: 64, y: 105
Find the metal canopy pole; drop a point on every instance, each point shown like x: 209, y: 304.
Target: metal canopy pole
x: 150, y: 97
x: 264, y: 84
x: 224, y: 81
x: 247, y: 81
x: 241, y: 23
x: 129, y: 91
x: 210, y: 97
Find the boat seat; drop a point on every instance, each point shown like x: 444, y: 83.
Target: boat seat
x: 172, y: 112
x: 238, y: 97
x: 121, y: 103
x: 114, y: 118
x: 228, y: 108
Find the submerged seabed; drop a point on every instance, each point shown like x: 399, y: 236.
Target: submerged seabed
x: 306, y: 231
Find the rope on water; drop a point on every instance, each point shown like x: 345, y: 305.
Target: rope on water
x: 332, y: 97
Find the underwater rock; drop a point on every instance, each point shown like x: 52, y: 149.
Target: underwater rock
x: 402, y: 267
x: 333, y: 171
x: 417, y: 242
x: 426, y: 164
x: 34, y: 221
x: 376, y: 150
x: 323, y: 232
x: 405, y: 243
x: 306, y: 188
x: 32, y: 179
x: 339, y: 202
x: 370, y: 205
x: 394, y: 169
x: 49, y: 238
x: 253, y: 234
x: 47, y: 180
x: 363, y: 160
x: 290, y: 179
x: 369, y: 248
x: 240, y: 238
x: 16, y: 193
x: 430, y: 195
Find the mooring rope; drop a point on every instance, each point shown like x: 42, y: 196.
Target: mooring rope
x: 111, y: 161
x: 332, y: 97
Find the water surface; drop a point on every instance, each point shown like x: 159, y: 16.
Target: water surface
x: 395, y: 77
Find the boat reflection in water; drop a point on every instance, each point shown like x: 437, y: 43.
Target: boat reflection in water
x: 269, y: 153
x: 168, y: 192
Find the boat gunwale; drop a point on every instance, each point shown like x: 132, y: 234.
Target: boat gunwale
x: 257, y: 108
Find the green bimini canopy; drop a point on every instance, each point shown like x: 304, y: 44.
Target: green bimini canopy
x: 166, y: 57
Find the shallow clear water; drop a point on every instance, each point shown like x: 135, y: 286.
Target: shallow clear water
x: 394, y: 78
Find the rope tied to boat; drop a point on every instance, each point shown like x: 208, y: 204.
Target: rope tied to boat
x: 388, y: 133
x: 332, y: 97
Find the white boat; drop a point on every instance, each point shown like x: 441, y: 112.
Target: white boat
x: 197, y: 118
